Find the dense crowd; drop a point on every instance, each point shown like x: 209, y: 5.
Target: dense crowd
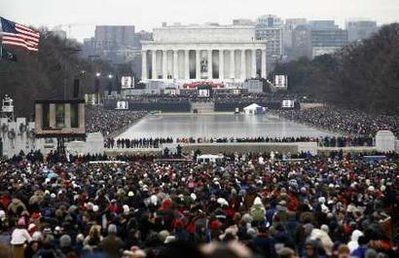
x: 218, y: 96
x: 343, y: 120
x: 248, y: 205
x: 108, y: 121
x: 327, y: 141
x: 136, y: 143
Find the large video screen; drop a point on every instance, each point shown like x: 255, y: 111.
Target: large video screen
x: 59, y: 118
x: 281, y: 81
x: 287, y: 103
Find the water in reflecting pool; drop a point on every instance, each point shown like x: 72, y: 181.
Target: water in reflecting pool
x: 218, y: 125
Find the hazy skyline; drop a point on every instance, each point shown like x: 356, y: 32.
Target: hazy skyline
x: 84, y: 15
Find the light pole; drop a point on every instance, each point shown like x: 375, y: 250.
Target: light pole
x: 68, y: 52
x: 110, y: 77
x: 97, y: 88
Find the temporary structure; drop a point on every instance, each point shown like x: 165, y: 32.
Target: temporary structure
x: 254, y: 109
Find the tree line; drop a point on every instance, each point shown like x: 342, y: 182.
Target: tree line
x: 363, y: 75
x: 42, y: 75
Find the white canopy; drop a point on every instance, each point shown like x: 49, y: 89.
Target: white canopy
x: 252, y: 106
x: 254, y: 109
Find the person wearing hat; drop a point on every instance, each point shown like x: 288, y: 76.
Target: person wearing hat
x: 258, y: 210
x: 112, y: 245
x: 19, y: 237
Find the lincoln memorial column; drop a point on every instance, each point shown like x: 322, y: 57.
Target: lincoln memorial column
x: 144, y: 69
x: 175, y: 66
x: 232, y: 64
x: 243, y: 65
x: 210, y: 68
x: 263, y: 69
x: 154, y: 64
x: 164, y: 64
x: 187, y: 64
x: 197, y: 65
x: 253, y: 59
x: 221, y: 64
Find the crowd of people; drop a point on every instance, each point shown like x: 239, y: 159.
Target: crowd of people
x: 244, y: 206
x: 136, y: 143
x: 109, y: 121
x: 327, y: 141
x: 343, y: 120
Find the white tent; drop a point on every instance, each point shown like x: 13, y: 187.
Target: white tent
x: 254, y: 109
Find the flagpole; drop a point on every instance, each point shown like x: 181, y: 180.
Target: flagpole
x: 1, y: 49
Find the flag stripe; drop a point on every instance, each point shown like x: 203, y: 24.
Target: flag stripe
x: 19, y: 40
x: 14, y: 43
x: 26, y: 32
x: 24, y: 27
x: 28, y: 39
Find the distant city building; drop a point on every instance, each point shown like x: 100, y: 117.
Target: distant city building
x: 116, y: 44
x: 301, y: 42
x: 117, y: 35
x: 294, y: 22
x: 270, y: 28
x: 243, y: 22
x: 288, y: 34
x: 323, y: 25
x: 326, y: 37
x: 360, y: 29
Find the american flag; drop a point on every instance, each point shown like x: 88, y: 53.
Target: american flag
x: 19, y: 35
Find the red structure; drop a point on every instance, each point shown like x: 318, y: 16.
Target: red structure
x: 195, y: 85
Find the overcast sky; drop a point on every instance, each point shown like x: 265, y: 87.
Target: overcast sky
x: 83, y: 15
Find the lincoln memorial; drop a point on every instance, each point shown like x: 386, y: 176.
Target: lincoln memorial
x: 226, y: 53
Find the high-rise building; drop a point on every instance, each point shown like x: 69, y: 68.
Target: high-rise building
x: 117, y: 35
x: 326, y: 37
x: 301, y: 42
x: 360, y: 29
x: 323, y: 25
x: 270, y: 28
x: 116, y: 44
x: 294, y: 22
x: 288, y: 36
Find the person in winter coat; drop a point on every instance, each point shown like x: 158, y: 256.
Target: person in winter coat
x: 353, y: 244
x: 111, y: 245
x: 19, y: 238
x: 264, y: 243
x: 258, y: 210
x: 16, y: 206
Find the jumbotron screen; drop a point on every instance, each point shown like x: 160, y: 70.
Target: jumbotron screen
x: 59, y: 118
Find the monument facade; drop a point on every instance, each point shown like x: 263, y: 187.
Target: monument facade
x: 226, y: 53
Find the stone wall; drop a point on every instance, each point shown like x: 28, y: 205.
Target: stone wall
x: 19, y: 136
x: 16, y: 136
x: 94, y: 144
x: 216, y: 148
